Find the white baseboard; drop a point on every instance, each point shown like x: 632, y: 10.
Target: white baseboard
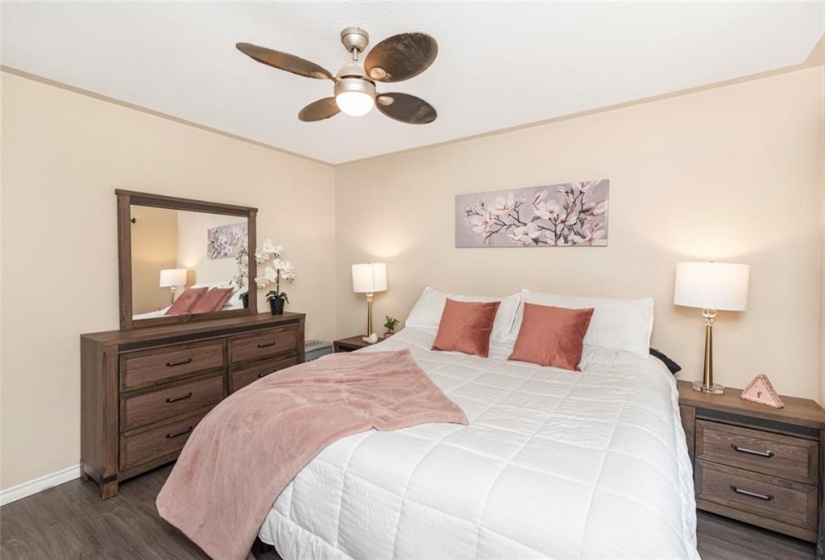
x: 38, y: 485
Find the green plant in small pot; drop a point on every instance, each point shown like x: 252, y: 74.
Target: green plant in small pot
x: 390, y: 325
x: 278, y: 270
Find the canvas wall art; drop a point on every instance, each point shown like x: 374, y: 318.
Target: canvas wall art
x: 223, y: 240
x: 564, y: 215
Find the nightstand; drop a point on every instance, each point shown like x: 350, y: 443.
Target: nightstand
x: 755, y: 463
x: 352, y: 343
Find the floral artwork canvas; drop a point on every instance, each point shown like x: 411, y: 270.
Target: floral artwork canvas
x: 563, y: 215
x: 222, y: 241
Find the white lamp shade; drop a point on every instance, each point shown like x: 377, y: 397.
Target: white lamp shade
x: 710, y: 285
x: 172, y: 277
x: 369, y: 278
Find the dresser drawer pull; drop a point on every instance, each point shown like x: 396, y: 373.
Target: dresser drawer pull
x: 767, y: 454
x: 180, y: 363
x: 267, y: 345
x: 766, y: 497
x: 189, y: 429
x: 176, y: 399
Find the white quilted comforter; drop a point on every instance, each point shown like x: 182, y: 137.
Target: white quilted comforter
x: 553, y: 464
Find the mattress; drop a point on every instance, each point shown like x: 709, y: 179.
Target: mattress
x: 553, y: 464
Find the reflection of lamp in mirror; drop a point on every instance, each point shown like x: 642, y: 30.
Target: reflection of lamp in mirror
x: 172, y: 278
x: 711, y: 287
x: 368, y: 279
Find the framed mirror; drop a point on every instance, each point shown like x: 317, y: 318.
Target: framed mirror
x: 182, y: 260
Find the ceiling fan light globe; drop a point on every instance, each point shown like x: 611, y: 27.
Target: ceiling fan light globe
x: 355, y: 96
x: 354, y: 103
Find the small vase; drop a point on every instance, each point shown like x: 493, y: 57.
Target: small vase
x: 388, y: 334
x: 277, y: 306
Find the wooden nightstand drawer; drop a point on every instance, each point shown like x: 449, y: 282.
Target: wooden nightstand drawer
x: 249, y: 347
x: 156, y: 406
x: 756, y: 498
x: 244, y: 376
x: 146, y: 445
x: 759, y: 451
x: 149, y: 367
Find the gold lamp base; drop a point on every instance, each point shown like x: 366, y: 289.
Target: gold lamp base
x: 707, y: 385
x: 714, y: 389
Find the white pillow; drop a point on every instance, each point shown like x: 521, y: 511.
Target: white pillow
x: 426, y: 314
x: 617, y: 324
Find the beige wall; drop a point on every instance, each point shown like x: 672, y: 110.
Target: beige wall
x: 63, y: 156
x: 154, y: 247
x: 730, y: 174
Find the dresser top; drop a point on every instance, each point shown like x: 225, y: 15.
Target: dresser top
x: 804, y: 412
x: 217, y: 327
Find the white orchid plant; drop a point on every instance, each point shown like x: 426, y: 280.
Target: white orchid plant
x: 276, y: 270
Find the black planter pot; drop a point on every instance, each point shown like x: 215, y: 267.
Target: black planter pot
x: 245, y: 300
x: 277, y: 306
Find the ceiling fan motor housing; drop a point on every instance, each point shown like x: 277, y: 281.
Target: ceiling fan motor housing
x: 353, y: 77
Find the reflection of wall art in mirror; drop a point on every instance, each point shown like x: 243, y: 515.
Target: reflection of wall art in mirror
x: 564, y: 215
x: 223, y: 241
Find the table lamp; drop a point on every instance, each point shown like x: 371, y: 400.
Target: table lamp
x: 368, y: 279
x: 711, y: 287
x: 171, y: 278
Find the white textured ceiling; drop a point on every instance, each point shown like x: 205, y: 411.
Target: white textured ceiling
x: 499, y: 65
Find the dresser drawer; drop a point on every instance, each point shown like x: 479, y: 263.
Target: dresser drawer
x: 762, y: 452
x: 246, y: 375
x: 149, y: 367
x: 171, y: 401
x: 145, y: 445
x: 757, y: 495
x: 262, y: 344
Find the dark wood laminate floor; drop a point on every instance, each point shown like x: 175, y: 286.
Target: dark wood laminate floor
x: 70, y: 521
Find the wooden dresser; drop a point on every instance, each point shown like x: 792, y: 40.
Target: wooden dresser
x: 143, y: 391
x: 755, y: 463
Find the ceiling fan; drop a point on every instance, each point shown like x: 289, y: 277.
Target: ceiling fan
x: 394, y: 59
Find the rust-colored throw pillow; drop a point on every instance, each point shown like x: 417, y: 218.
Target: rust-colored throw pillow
x: 552, y: 336
x: 466, y: 326
x: 213, y: 300
x: 186, y: 301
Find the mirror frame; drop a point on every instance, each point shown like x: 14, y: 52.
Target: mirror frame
x: 125, y: 199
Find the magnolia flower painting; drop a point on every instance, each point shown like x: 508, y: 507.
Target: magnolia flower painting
x: 222, y: 241
x: 566, y: 215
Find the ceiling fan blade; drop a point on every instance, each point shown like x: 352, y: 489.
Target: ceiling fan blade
x: 319, y: 110
x: 406, y: 108
x: 284, y: 61
x: 401, y: 57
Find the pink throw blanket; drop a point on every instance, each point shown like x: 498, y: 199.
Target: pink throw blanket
x: 250, y: 447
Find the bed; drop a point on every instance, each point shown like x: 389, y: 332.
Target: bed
x: 554, y: 464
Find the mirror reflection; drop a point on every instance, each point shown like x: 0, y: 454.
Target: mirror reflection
x: 186, y: 262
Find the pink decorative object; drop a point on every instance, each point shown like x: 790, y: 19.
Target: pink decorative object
x: 761, y: 391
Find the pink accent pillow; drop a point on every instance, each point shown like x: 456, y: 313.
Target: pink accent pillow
x: 552, y: 336
x: 466, y: 326
x: 213, y: 300
x: 186, y: 301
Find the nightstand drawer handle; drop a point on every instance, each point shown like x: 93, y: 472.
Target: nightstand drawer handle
x: 766, y: 497
x: 267, y: 345
x: 176, y: 399
x: 180, y: 363
x: 263, y: 374
x: 183, y: 433
x: 767, y: 454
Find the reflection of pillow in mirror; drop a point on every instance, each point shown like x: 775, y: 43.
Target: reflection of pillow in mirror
x: 212, y: 300
x: 186, y: 301
x: 235, y: 301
